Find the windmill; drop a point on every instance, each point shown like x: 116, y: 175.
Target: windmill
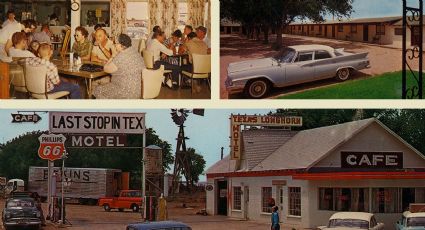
x: 182, y: 162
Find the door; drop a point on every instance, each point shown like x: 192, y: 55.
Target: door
x: 246, y: 202
x: 333, y: 31
x: 279, y: 199
x: 365, y: 33
x: 408, y: 197
x: 302, y: 70
x: 326, y: 31
x: 229, y: 30
x: 222, y: 198
x: 416, y: 35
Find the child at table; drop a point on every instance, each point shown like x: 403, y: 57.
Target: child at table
x: 54, y: 83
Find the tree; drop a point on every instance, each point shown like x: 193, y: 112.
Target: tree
x: 21, y: 153
x: 197, y: 165
x: 278, y: 14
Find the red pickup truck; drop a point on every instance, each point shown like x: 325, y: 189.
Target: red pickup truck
x: 128, y: 199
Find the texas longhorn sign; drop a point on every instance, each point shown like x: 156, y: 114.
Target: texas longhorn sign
x: 236, y: 121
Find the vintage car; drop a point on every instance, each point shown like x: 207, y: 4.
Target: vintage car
x: 352, y: 220
x: 293, y: 65
x: 163, y: 225
x: 411, y: 221
x: 127, y: 199
x: 21, y: 212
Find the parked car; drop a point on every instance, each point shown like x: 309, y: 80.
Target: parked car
x: 21, y: 212
x: 411, y: 221
x: 293, y: 65
x: 128, y: 199
x: 353, y: 220
x: 163, y: 225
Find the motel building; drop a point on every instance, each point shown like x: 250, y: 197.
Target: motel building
x: 357, y: 166
x: 382, y: 31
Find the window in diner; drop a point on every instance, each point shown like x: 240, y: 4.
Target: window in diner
x: 93, y: 13
x: 354, y: 29
x: 398, y: 31
x: 326, y: 199
x: 380, y: 29
x: 341, y: 28
x: 294, y: 201
x: 344, y: 199
x: 386, y: 200
x: 266, y: 195
x: 237, y: 197
x: 137, y: 19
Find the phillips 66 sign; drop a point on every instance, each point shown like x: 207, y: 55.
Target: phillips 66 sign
x: 52, y: 146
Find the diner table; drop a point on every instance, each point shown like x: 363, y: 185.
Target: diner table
x: 64, y: 68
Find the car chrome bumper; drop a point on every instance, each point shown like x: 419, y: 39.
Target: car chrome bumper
x: 22, y: 222
x: 233, y: 87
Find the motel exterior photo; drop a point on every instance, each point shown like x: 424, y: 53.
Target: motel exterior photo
x: 311, y: 174
x: 382, y: 31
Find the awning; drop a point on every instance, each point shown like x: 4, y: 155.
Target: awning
x: 359, y: 176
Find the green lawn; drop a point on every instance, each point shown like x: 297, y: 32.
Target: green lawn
x: 386, y: 86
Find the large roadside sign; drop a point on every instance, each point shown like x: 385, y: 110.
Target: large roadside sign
x: 236, y: 121
x: 96, y: 123
x: 52, y: 146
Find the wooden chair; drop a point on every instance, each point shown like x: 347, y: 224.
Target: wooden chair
x: 152, y: 80
x: 201, y: 69
x: 17, y: 77
x: 36, y: 83
x: 65, y: 43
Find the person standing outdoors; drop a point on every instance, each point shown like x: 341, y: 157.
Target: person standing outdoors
x: 275, y: 218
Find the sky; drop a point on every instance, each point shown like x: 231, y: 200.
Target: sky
x: 378, y: 8
x: 207, y: 134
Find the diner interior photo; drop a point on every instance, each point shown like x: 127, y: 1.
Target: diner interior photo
x: 105, y: 49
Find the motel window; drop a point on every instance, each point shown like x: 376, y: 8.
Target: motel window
x: 341, y: 28
x: 266, y: 196
x: 294, y: 201
x: 280, y: 195
x: 398, y: 31
x: 380, y: 29
x: 354, y: 29
x: 237, y: 198
x: 344, y: 199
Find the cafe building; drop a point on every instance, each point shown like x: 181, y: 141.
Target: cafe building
x: 359, y: 166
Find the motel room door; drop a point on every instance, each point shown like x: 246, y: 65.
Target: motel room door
x: 365, y: 33
x: 222, y: 198
x: 416, y: 35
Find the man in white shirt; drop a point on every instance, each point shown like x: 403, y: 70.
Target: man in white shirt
x: 44, y: 35
x: 19, y: 41
x: 201, y: 32
x: 150, y: 35
x: 10, y: 18
x: 103, y: 48
x: 157, y: 47
x: 7, y: 32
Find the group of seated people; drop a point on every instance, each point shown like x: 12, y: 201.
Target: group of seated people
x: 188, y: 42
x: 125, y: 65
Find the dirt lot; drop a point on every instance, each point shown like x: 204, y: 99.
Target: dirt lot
x: 93, y: 217
x: 234, y: 48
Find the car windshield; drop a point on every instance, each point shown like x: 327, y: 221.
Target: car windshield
x: 286, y: 55
x: 20, y: 203
x: 350, y: 223
x: 416, y: 222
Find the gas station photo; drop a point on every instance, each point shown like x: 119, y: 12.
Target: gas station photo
x: 212, y: 169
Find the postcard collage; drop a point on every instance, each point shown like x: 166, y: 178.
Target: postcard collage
x: 212, y: 114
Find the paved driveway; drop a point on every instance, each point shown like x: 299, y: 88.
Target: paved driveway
x: 234, y: 48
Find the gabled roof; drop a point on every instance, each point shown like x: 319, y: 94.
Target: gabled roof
x: 310, y: 146
x: 259, y: 144
x: 224, y: 165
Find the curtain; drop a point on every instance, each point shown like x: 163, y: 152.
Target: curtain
x: 154, y: 14
x: 195, y: 10
x: 170, y: 9
x: 118, y: 17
